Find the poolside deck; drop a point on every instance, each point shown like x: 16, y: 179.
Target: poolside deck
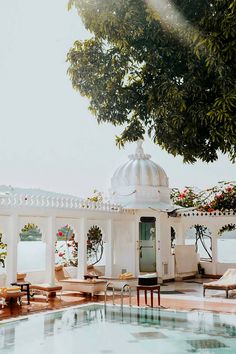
x: 186, y: 295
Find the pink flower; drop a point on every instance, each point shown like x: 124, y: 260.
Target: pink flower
x: 61, y: 254
x: 210, y: 210
x: 182, y: 195
x: 60, y: 233
x: 218, y: 196
x: 229, y: 189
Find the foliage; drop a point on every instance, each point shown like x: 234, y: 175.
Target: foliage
x: 95, y: 246
x: 96, y: 197
x: 165, y: 67
x: 187, y: 198
x: 221, y: 197
x: 66, y: 251
x: 3, y: 252
x: 30, y: 232
x: 172, y: 237
x: 201, y: 235
x: 229, y: 227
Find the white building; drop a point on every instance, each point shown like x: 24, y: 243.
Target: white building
x: 135, y: 226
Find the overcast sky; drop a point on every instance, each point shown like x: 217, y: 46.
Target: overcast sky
x: 48, y: 138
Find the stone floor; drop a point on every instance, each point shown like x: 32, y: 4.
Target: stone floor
x: 185, y: 295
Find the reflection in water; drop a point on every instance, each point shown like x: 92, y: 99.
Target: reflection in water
x: 63, y: 323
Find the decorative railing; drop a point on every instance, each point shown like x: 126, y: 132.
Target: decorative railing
x: 42, y: 201
x: 205, y: 213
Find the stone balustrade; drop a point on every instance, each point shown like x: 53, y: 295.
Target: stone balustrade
x: 43, y: 201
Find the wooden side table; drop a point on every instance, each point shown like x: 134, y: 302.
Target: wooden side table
x: 25, y: 287
x: 150, y: 288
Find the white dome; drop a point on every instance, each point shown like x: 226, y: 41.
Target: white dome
x: 139, y: 171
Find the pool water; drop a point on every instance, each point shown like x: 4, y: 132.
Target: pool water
x: 95, y: 329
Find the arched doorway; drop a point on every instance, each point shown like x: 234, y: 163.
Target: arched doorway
x: 200, y: 236
x: 226, y: 244
x: 95, y: 247
x: 3, y: 252
x: 147, y: 244
x: 66, y: 252
x: 31, y: 249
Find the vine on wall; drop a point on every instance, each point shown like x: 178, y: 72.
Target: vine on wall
x: 95, y: 245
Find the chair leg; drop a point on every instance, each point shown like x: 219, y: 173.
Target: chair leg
x: 227, y: 293
x: 204, y: 291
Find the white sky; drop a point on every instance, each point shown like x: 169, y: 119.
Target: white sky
x: 48, y: 138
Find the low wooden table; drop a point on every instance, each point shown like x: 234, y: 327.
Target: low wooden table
x: 11, y: 297
x: 150, y: 288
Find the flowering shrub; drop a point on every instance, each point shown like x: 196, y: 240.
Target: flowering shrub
x: 67, y: 247
x: 221, y: 197
x: 218, y: 198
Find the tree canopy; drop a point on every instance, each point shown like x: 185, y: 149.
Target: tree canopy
x: 162, y: 67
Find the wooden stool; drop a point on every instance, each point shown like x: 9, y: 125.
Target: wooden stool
x: 150, y: 288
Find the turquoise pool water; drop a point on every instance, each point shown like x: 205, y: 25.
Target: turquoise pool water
x: 94, y: 329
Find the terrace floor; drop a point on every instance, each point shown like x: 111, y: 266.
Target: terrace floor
x: 184, y: 295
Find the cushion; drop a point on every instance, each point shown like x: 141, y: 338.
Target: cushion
x: 59, y: 273
x: 21, y: 276
x: 46, y: 287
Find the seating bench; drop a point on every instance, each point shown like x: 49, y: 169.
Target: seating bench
x: 84, y: 286
x: 46, y: 289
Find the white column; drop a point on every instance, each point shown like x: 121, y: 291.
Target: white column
x: 12, y: 242
x: 50, y: 250
x: 159, y: 248
x: 82, y: 249
x: 109, y: 249
x: 134, y: 238
x: 137, y: 245
x: 180, y: 233
x: 214, y: 236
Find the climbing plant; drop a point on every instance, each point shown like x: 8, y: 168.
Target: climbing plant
x: 67, y: 250
x: 201, y: 235
x: 3, y: 252
x: 95, y: 245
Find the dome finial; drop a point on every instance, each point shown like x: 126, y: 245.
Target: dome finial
x: 139, y: 153
x: 139, y: 149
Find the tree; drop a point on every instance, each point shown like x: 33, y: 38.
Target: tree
x: 167, y: 68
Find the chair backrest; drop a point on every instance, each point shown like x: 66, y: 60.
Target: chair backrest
x: 21, y: 276
x: 229, y: 274
x: 91, y: 270
x: 60, y: 274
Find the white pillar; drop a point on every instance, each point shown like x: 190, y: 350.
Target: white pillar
x: 214, y: 236
x: 134, y: 238
x: 50, y: 250
x: 82, y: 249
x: 159, y: 248
x: 12, y: 242
x: 109, y: 250
x: 137, y: 245
x: 180, y: 233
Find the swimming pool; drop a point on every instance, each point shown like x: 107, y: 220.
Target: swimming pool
x: 93, y: 329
